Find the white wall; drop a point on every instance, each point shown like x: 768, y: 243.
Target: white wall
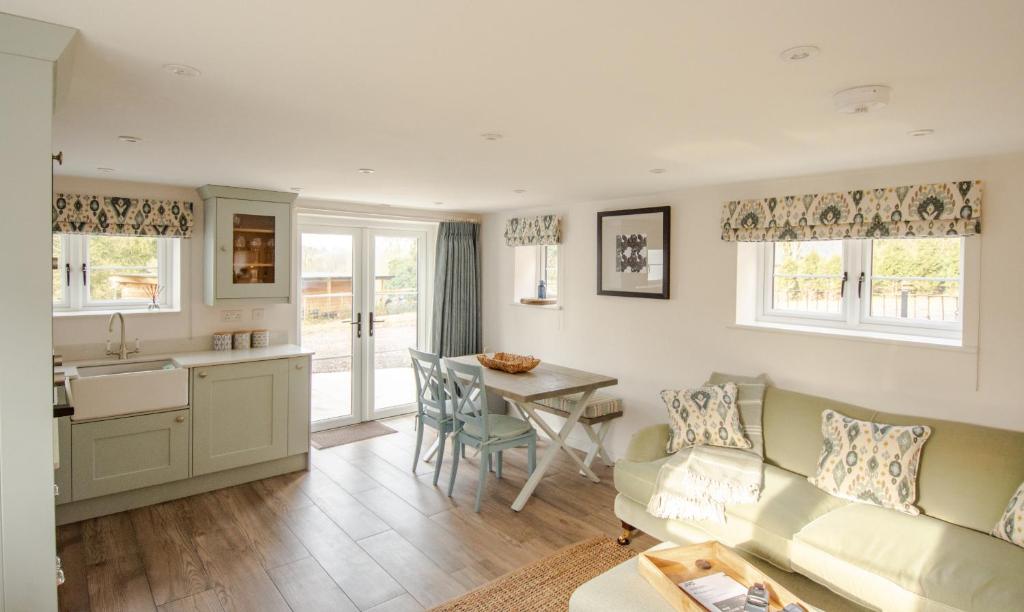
x: 654, y: 344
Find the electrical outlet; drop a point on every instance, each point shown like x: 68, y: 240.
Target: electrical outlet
x: 257, y: 314
x: 231, y: 315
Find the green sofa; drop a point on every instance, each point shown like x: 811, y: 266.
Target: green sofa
x: 942, y: 560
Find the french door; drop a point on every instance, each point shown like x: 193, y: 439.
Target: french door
x: 364, y: 304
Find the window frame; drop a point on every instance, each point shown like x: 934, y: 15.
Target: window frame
x: 77, y: 293
x: 542, y: 269
x: 854, y: 314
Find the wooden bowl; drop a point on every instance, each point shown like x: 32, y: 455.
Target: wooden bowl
x: 509, y: 362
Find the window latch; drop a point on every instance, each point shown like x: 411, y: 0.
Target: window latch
x: 85, y: 280
x: 67, y: 274
x: 860, y: 284
x: 842, y: 286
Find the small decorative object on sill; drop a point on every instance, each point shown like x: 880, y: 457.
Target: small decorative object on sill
x: 542, y: 290
x: 260, y: 338
x: 633, y: 252
x: 243, y: 340
x: 509, y: 362
x: 222, y: 341
x: 538, y: 301
x: 153, y: 292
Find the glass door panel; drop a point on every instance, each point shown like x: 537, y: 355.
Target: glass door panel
x: 395, y: 303
x: 253, y: 242
x: 329, y: 290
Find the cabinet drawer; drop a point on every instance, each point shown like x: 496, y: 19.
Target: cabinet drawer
x: 241, y: 414
x: 128, y: 453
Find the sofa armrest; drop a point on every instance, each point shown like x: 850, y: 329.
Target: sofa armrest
x: 648, y: 444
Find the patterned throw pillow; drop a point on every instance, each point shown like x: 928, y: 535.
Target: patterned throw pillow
x: 1011, y: 526
x: 870, y: 462
x: 704, y: 416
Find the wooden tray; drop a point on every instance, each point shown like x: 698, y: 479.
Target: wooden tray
x: 666, y: 568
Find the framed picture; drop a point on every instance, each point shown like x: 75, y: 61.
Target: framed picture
x: 633, y: 252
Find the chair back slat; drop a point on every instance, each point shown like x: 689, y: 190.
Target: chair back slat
x: 430, y: 387
x: 468, y: 394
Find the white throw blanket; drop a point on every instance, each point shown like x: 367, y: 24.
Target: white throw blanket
x: 699, y: 481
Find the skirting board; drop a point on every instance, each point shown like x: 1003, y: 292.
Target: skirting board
x: 73, y: 512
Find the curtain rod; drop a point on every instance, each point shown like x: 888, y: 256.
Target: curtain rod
x: 333, y: 212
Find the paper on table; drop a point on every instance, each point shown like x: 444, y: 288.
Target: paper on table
x: 717, y: 592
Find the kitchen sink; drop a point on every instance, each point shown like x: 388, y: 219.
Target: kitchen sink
x: 126, y: 388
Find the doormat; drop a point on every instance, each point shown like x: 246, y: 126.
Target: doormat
x: 347, y: 435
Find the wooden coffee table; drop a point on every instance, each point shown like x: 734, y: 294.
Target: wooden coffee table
x: 624, y: 589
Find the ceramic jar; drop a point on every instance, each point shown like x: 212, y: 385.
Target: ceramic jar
x: 222, y: 341
x: 260, y: 338
x: 243, y: 340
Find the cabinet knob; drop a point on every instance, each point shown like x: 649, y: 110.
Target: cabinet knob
x: 202, y: 375
x: 179, y: 419
x: 223, y: 249
x: 298, y: 366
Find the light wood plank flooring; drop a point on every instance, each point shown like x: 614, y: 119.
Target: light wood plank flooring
x: 359, y: 531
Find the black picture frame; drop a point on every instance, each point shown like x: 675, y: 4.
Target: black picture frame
x: 666, y: 226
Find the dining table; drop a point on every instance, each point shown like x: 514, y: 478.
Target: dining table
x: 523, y: 390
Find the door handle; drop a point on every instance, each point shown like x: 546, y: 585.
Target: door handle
x: 373, y: 321
x: 358, y: 322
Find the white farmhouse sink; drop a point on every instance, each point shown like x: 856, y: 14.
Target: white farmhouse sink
x: 127, y: 388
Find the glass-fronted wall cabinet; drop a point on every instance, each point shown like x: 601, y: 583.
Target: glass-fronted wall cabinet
x: 247, y: 245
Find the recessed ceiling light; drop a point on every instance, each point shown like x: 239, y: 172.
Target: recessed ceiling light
x: 518, y: 191
x: 864, y: 99
x: 129, y: 139
x: 491, y: 136
x: 105, y: 170
x: 182, y: 70
x: 658, y: 170
x: 921, y: 132
x: 798, y: 54
x: 438, y: 203
x: 365, y: 170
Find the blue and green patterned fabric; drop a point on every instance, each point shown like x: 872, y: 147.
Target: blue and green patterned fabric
x: 707, y: 415
x: 870, y: 462
x: 1011, y: 526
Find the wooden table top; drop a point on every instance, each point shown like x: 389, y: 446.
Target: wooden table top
x: 544, y: 381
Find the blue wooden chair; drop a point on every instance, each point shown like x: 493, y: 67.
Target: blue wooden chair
x: 475, y: 426
x: 432, y: 406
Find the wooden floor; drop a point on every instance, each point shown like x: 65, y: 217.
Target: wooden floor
x: 359, y: 531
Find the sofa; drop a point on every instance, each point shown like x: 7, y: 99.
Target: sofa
x: 944, y: 559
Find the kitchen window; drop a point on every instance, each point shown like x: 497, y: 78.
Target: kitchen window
x: 99, y: 273
x: 906, y: 287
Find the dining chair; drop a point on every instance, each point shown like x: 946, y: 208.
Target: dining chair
x: 475, y: 426
x: 432, y: 406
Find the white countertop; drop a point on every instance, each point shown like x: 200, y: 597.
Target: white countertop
x: 199, y: 359
x: 212, y: 358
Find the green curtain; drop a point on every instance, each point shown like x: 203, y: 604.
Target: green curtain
x: 457, y: 310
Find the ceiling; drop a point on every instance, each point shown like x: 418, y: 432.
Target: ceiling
x: 589, y: 95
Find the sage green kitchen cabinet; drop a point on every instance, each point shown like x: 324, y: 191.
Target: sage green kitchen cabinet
x: 132, y: 452
x: 247, y: 245
x: 241, y: 414
x: 62, y: 475
x: 299, y: 382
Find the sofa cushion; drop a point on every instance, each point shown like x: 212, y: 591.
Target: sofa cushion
x: 1011, y: 525
x: 498, y: 426
x: 788, y: 502
x: 870, y: 462
x: 705, y: 415
x: 933, y: 559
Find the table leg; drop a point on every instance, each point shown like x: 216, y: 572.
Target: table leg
x: 597, y: 444
x: 558, y: 441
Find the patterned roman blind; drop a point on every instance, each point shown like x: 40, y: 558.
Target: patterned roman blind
x: 120, y: 216
x: 532, y: 231
x: 910, y: 211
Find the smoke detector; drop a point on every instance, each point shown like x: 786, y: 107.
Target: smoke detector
x: 862, y: 99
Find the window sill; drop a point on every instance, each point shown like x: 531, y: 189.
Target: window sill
x: 538, y: 306
x: 60, y: 314
x: 948, y: 344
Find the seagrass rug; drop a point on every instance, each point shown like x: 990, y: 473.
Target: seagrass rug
x: 349, y: 434
x: 546, y: 584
